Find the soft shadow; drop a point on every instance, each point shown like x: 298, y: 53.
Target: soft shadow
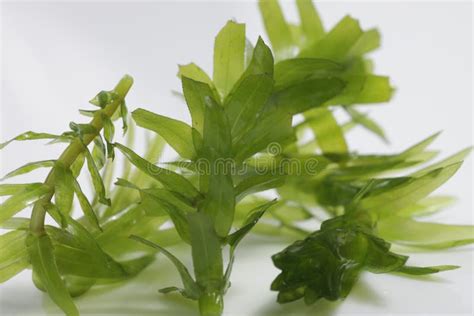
x: 362, y: 292
x: 298, y: 308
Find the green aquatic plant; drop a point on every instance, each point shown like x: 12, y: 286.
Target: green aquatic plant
x: 243, y: 139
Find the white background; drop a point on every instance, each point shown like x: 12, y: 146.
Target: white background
x: 55, y: 56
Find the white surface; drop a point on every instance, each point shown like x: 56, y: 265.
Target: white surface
x: 56, y: 56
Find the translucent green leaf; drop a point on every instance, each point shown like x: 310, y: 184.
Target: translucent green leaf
x: 44, y: 266
x: 328, y: 133
x: 85, y: 205
x: 215, y: 119
x: 21, y: 200
x: 366, y: 122
x: 367, y: 42
x: 194, y: 72
x: 14, y: 255
x: 376, y: 89
x: 206, y: 252
x: 400, y: 196
x: 77, y: 165
x: 457, y: 157
x: 176, y: 133
x: 419, y: 147
x: 169, y: 179
x: 99, y: 152
x: 277, y: 29
x: 96, y: 179
x: 425, y: 270
x: 191, y: 287
x: 337, y: 43
x: 196, y: 94
x: 78, y: 253
x: 246, y: 101
x: 427, y: 206
x: 272, y: 129
x: 109, y: 131
x: 29, y: 136
x: 12, y: 189
x: 258, y: 183
x: 229, y: 48
x: 291, y: 71
x: 63, y: 188
x: 124, y: 116
x: 423, y: 234
x: 310, y: 20
x: 261, y: 62
x: 307, y: 94
x: 28, y: 168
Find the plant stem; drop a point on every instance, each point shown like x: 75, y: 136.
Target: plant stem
x: 211, y: 304
x: 75, y: 148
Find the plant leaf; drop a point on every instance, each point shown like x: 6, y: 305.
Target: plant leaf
x: 85, y: 205
x: 44, y: 266
x: 21, y: 200
x: 96, y: 179
x: 328, y: 133
x: 310, y: 21
x: 206, y: 252
x: 14, y: 255
x: 171, y: 180
x: 277, y: 29
x: 425, y: 270
x: 366, y: 122
x: 63, y: 188
x: 29, y: 136
x: 191, y: 288
x: 425, y: 235
x: 229, y: 48
x: 194, y: 72
x: 176, y: 133
x: 28, y: 168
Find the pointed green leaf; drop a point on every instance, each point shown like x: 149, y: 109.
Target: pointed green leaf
x: 191, y: 288
x: 63, y: 188
x: 457, y: 157
x: 21, y: 200
x: 367, y: 42
x: 366, y: 122
x: 96, y: 179
x: 176, y: 133
x: 171, y: 180
x: 229, y: 48
x: 12, y: 189
x: 28, y: 168
x: 29, y: 136
x: 85, y: 205
x: 425, y: 270
x: 400, y: 196
x: 246, y: 101
x: 44, y: 266
x: 196, y: 94
x: 423, y: 234
x: 419, y: 147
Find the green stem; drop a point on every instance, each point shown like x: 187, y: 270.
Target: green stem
x: 71, y: 153
x: 211, y: 304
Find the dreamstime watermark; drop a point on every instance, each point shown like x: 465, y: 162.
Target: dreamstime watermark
x: 273, y: 162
